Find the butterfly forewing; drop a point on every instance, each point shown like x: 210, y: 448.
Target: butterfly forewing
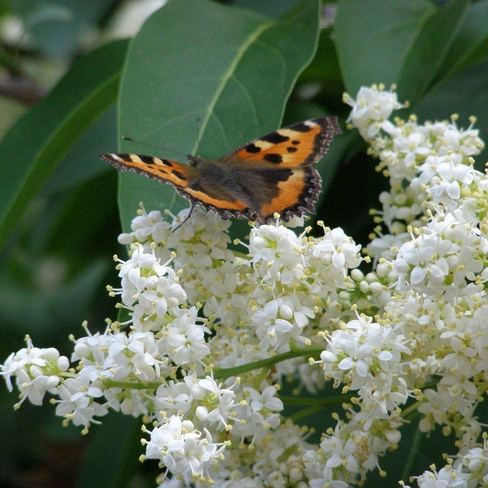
x: 177, y: 174
x: 300, y: 144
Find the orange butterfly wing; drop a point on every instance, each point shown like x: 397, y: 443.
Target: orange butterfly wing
x: 302, y: 144
x: 280, y: 167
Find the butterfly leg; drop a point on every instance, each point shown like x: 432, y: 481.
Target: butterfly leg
x: 187, y: 217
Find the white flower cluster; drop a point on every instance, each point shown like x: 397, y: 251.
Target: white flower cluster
x: 195, y: 311
x: 469, y: 470
x: 209, y: 333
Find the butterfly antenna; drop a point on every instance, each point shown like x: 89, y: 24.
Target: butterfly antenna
x: 199, y: 123
x: 154, y: 145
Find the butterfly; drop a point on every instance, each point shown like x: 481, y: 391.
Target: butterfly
x: 272, y: 174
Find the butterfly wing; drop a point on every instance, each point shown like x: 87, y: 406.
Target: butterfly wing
x: 287, y: 192
x: 177, y: 174
x: 298, y: 145
x: 187, y: 180
x: 276, y: 172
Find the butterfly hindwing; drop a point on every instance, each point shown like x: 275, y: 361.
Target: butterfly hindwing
x: 287, y: 191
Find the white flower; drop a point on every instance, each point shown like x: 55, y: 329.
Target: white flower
x: 385, y: 245
x: 424, y: 260
x: 337, y: 250
x: 410, y: 146
x: 135, y: 270
x: 367, y: 356
x: 445, y: 177
x: 160, y: 293
x: 476, y: 461
x: 352, y: 449
x: 271, y: 328
x: 450, y: 177
x: 259, y: 411
x: 182, y: 448
x: 208, y: 226
x: 445, y: 478
x: 276, y: 253
x: 371, y: 109
x: 204, y: 401
x: 36, y: 370
x: 93, y: 351
x: 439, y: 406
x: 173, y: 397
x: 135, y: 356
x: 77, y: 400
x: 462, y: 141
x: 216, y: 403
x: 263, y: 400
x: 184, y: 340
x: 147, y: 227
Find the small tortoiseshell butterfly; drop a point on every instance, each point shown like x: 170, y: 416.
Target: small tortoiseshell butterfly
x: 272, y: 174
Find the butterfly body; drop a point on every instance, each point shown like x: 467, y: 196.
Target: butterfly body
x: 272, y: 174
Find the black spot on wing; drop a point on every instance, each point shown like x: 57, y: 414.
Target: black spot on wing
x: 146, y: 159
x: 252, y: 148
x: 273, y: 158
x: 197, y: 186
x: 179, y: 175
x: 291, y: 149
x: 274, y: 138
x: 273, y: 177
x: 295, y: 143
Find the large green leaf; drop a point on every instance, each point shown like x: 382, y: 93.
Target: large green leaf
x: 401, y: 42
x: 31, y: 150
x: 231, y: 69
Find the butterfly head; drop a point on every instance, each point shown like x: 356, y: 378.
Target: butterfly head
x: 194, y: 161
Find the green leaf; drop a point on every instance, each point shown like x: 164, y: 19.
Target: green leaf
x: 45, y: 314
x: 465, y: 94
x: 271, y: 8
x: 119, y: 438
x: 471, y: 45
x: 32, y: 149
x: 56, y: 27
x: 424, y: 60
x: 400, y: 42
x: 82, y: 162
x: 231, y: 69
